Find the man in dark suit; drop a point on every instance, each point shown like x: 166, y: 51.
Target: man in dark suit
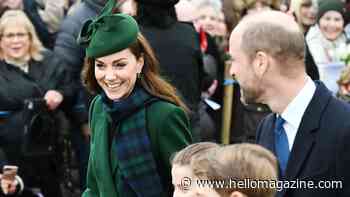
x: 309, y: 130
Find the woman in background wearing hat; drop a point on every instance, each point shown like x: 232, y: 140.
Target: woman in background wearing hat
x: 328, y: 33
x: 137, y: 121
x: 327, y: 39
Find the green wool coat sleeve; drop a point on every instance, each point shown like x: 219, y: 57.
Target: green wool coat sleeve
x: 169, y: 131
x: 92, y: 189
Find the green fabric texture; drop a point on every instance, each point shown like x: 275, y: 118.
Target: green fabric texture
x: 108, y: 33
x: 168, y: 129
x: 330, y: 5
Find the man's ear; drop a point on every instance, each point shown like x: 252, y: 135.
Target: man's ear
x: 237, y: 194
x: 261, y: 63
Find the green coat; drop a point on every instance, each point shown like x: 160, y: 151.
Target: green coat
x: 168, y: 129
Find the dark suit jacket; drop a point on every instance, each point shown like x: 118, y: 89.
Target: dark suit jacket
x: 321, y: 150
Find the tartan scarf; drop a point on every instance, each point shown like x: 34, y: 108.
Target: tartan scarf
x: 132, y: 145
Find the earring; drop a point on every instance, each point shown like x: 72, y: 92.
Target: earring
x: 139, y: 75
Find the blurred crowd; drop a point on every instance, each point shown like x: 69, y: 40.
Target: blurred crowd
x: 43, y: 103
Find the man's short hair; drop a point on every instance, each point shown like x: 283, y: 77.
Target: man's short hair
x: 283, y: 44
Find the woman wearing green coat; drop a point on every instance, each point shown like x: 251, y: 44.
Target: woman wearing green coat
x: 137, y: 121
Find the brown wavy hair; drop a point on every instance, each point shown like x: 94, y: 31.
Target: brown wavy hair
x: 151, y: 80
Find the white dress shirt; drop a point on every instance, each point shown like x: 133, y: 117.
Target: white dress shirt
x: 296, y: 109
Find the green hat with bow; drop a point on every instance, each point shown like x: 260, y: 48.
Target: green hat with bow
x: 108, y: 33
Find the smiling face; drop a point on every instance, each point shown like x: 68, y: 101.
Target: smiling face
x: 331, y: 25
x: 15, y: 42
x: 116, y: 73
x: 207, y: 18
x: 308, y: 13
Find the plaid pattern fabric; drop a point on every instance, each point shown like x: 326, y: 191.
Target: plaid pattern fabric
x: 131, y: 144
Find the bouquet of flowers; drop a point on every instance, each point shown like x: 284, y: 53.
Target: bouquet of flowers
x: 345, y: 56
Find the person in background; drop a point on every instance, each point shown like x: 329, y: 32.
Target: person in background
x: 285, y: 4
x: 235, y: 10
x: 221, y: 28
x: 12, y: 4
x: 328, y: 33
x: 182, y: 168
x: 209, y: 17
x: 159, y: 24
x: 347, y: 16
x: 137, y: 121
x: 344, y: 85
x: 238, y: 162
x: 261, y: 5
x: 46, y: 16
x: 209, y: 23
x: 29, y: 71
x: 305, y: 12
x: 67, y: 48
x: 185, y: 11
x: 128, y: 7
x: 326, y: 41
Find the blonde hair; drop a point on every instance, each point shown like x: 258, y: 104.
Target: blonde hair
x: 185, y: 156
x: 295, y: 6
x: 238, y: 162
x: 18, y: 17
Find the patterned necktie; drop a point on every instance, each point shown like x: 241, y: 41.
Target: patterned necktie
x: 281, y: 144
